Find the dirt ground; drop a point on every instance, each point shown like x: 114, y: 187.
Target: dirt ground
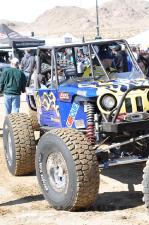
x: 119, y: 201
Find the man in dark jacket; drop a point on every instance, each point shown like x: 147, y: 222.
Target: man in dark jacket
x: 28, y: 63
x: 12, y: 83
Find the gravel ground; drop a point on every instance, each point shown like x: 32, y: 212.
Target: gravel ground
x: 119, y: 201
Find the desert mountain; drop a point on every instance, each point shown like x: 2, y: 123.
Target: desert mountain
x: 118, y: 19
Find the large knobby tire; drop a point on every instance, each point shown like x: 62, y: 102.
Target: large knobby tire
x: 145, y: 184
x: 19, y: 144
x: 34, y: 119
x: 67, y: 169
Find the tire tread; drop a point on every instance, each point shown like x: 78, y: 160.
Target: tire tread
x: 86, y: 166
x: 24, y: 143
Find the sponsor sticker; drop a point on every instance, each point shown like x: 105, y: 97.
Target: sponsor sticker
x: 79, y: 124
x: 49, y: 103
x: 72, y: 114
x: 64, y: 96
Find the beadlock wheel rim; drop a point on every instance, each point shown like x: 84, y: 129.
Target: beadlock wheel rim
x: 57, y: 172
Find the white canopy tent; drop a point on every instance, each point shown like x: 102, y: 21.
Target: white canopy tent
x: 141, y: 39
x: 51, y: 40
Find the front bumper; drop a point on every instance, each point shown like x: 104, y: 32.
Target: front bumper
x: 111, y: 127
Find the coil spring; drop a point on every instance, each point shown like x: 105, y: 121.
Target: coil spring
x: 90, y: 123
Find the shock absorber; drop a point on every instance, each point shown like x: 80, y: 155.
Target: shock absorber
x: 90, y: 111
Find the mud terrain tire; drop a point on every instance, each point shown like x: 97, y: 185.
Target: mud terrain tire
x: 34, y: 120
x: 65, y: 156
x: 19, y: 144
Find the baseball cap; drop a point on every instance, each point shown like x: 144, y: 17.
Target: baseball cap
x: 14, y: 60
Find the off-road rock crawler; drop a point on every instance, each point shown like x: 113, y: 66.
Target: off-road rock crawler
x: 91, y: 112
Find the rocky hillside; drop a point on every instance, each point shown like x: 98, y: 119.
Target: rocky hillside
x: 118, y: 18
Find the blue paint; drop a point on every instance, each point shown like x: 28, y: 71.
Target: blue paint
x: 61, y: 112
x: 49, y: 116
x: 123, y: 88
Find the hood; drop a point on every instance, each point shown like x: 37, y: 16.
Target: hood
x: 93, y: 88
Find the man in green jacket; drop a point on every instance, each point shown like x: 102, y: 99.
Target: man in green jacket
x: 12, y: 83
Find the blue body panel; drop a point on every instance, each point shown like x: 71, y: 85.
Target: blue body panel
x: 59, y: 108
x: 56, y: 112
x: 48, y: 113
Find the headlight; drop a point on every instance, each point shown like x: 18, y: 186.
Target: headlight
x: 108, y: 102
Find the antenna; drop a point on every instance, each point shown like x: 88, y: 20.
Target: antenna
x: 97, y: 21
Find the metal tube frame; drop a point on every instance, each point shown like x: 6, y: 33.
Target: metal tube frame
x: 118, y: 145
x: 99, y: 61
x: 55, y: 67
x: 90, y: 55
x: 133, y: 58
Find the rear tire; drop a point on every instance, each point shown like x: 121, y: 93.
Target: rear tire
x: 34, y: 119
x: 67, y: 170
x: 19, y: 144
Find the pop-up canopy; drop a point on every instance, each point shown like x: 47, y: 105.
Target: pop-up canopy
x: 11, y: 39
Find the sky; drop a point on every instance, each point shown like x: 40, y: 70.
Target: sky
x: 29, y: 10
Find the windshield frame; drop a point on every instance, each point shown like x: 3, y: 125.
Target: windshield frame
x: 134, y: 61
x: 91, y: 51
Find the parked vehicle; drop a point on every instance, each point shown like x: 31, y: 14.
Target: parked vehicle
x: 88, y: 118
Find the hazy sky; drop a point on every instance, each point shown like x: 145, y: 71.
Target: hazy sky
x: 28, y: 10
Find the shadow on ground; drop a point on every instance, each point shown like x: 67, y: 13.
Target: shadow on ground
x: 111, y: 201
x: 126, y: 174
x: 26, y: 199
x: 107, y: 201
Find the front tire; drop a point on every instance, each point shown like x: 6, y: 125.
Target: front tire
x: 19, y: 144
x: 145, y: 184
x: 67, y: 170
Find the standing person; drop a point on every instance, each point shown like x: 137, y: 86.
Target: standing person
x: 143, y: 61
x: 28, y: 63
x: 134, y: 51
x: 12, y: 83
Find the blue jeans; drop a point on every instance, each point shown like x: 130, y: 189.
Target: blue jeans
x: 11, y: 103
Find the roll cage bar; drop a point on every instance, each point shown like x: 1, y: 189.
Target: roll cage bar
x: 91, y: 48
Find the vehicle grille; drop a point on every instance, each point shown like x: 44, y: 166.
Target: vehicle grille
x: 135, y: 104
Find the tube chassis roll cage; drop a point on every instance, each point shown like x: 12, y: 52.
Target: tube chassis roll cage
x: 112, y: 126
